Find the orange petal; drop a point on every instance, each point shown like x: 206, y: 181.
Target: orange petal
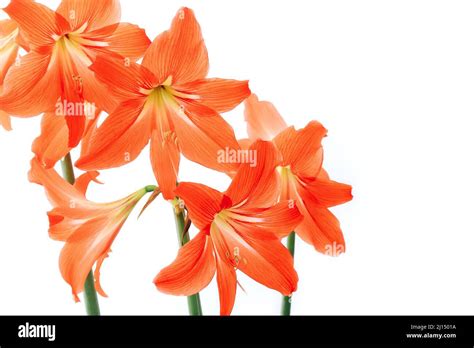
x: 84, y: 247
x: 164, y: 156
x: 329, y: 193
x: 202, y: 202
x: 31, y: 87
x: 281, y: 218
x: 52, y: 144
x: 179, y: 52
x: 97, y: 284
x: 5, y: 121
x: 302, y: 148
x: 83, y: 181
x: 60, y: 228
x: 38, y: 23
x: 192, y: 270
x: 128, y: 40
x: 218, y: 94
x: 204, y: 135
x: 263, y: 120
x: 9, y: 47
x: 259, y: 254
x: 226, y: 275
x: 94, y: 14
x: 125, y: 79
x: 120, y: 139
x: 58, y: 190
x: 253, y: 176
x: 319, y: 226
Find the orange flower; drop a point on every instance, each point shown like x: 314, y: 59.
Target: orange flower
x: 87, y: 228
x: 169, y: 100
x: 63, y: 45
x: 10, y: 41
x: 236, y: 233
x: 302, y: 178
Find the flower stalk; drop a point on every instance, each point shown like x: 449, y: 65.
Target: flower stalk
x: 90, y: 294
x: 286, y: 303
x: 194, y: 301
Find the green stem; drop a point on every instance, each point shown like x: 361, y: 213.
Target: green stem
x: 194, y: 301
x: 286, y: 303
x: 90, y: 294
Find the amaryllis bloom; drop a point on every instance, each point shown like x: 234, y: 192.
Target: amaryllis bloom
x: 10, y: 41
x: 87, y: 228
x: 167, y: 100
x: 64, y: 43
x: 300, y: 174
x: 237, y: 232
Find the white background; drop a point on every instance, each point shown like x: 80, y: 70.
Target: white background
x: 393, y: 81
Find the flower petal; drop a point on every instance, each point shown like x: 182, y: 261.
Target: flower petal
x: 319, y: 227
x: 179, y: 52
x: 263, y: 119
x: 203, y: 134
x: 257, y: 253
x: 9, y: 46
x: 165, y: 156
x: 301, y: 149
x: 37, y: 22
x: 329, y: 193
x: 92, y: 13
x: 226, y: 275
x: 124, y: 78
x: 128, y: 40
x: 52, y: 144
x: 192, y: 270
x: 58, y: 190
x: 202, y: 202
x: 84, y: 247
x: 120, y: 139
x: 218, y: 94
x: 252, y: 177
x: 5, y: 121
x: 31, y: 87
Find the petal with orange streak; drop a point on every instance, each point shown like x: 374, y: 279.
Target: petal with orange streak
x: 203, y: 135
x: 120, y: 139
x: 226, y: 275
x: 329, y: 193
x: 31, y: 87
x: 52, y: 144
x: 202, y: 202
x: 263, y: 119
x: 253, y: 177
x: 83, y: 181
x: 5, y: 121
x: 219, y: 94
x: 280, y: 219
x: 9, y: 47
x: 92, y: 13
x: 128, y: 40
x: 37, y: 22
x: 302, y: 148
x: 319, y: 227
x: 259, y: 254
x: 192, y: 270
x: 58, y: 190
x: 179, y: 52
x: 165, y: 156
x: 124, y: 79
x: 84, y: 247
